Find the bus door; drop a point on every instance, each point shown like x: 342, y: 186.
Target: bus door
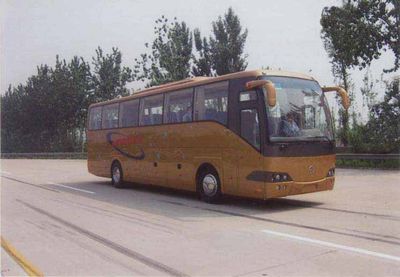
x: 246, y: 122
x: 155, y: 165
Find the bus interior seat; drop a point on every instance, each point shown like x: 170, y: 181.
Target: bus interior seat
x: 180, y: 114
x: 156, y: 118
x: 106, y: 124
x: 221, y: 117
x: 146, y: 120
x: 172, y: 117
x: 210, y: 114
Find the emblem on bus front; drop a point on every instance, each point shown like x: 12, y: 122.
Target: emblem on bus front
x: 311, y: 169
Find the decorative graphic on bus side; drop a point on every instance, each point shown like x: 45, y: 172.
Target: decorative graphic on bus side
x: 124, y: 140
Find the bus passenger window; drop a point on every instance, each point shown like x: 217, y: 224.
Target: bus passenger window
x: 249, y: 95
x: 250, y: 127
x: 129, y: 113
x: 212, y: 102
x: 110, y: 116
x: 179, y: 106
x: 151, y: 110
x: 95, y: 118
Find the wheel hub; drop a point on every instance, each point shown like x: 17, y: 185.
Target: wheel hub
x: 210, y: 185
x: 116, y: 175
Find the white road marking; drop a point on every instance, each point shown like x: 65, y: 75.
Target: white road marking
x: 334, y: 245
x: 68, y: 187
x: 5, y: 172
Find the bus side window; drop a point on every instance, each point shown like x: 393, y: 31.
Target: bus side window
x: 110, y: 116
x: 151, y: 110
x: 129, y: 113
x: 95, y: 118
x: 212, y: 102
x: 179, y: 106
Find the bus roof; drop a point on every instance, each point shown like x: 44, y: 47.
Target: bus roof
x: 195, y: 81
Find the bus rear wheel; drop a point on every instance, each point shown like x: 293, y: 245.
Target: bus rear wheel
x: 117, y: 176
x: 209, y: 186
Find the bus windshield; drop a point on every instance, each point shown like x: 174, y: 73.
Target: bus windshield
x: 301, y: 112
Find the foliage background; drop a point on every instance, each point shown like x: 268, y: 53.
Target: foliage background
x: 48, y: 112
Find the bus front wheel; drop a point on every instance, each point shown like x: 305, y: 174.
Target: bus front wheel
x: 209, y: 186
x: 117, y: 179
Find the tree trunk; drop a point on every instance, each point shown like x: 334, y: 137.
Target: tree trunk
x: 344, y: 117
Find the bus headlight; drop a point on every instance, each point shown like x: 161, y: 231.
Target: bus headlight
x: 280, y: 177
x: 331, y: 172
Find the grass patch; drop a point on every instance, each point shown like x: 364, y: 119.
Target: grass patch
x: 381, y: 164
x: 60, y: 156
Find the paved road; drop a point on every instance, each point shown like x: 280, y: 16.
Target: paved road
x: 67, y: 222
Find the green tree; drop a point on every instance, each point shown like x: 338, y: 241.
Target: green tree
x: 335, y: 34
x: 170, y: 54
x: 61, y: 99
x: 382, y: 132
x: 40, y: 109
x: 48, y: 113
x: 72, y: 83
x: 367, y: 90
x: 384, y: 124
x: 83, y: 89
x: 203, y: 63
x: 358, y: 31
x: 223, y: 51
x: 12, y: 119
x: 109, y: 77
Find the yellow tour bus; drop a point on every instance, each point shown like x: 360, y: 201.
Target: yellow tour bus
x: 259, y: 134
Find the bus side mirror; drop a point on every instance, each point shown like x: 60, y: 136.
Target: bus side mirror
x: 342, y: 93
x: 268, y: 86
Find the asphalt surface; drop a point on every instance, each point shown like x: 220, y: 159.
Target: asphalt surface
x: 68, y: 222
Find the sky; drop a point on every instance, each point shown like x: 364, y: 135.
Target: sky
x: 282, y: 34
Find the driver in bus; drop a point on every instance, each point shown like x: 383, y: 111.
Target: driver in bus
x: 289, y: 126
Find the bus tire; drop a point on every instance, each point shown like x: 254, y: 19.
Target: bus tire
x: 209, y: 185
x: 117, y: 176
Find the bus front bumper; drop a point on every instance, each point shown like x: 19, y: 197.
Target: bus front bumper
x: 281, y: 189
